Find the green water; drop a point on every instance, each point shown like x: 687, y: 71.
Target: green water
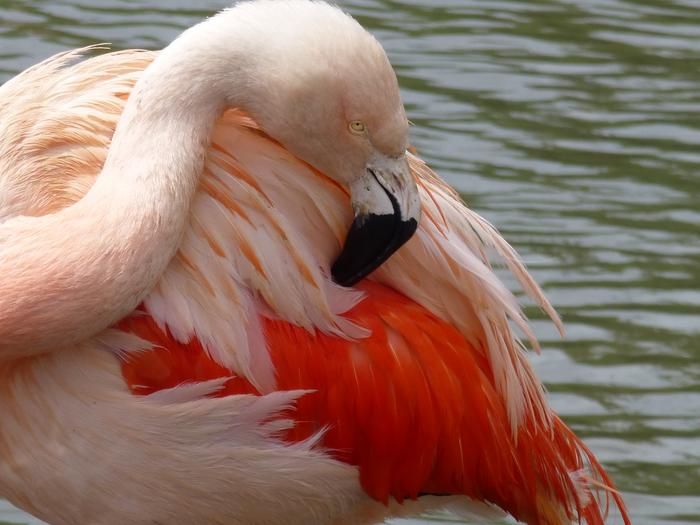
x: 572, y: 125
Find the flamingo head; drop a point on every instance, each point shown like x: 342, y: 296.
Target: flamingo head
x: 332, y: 98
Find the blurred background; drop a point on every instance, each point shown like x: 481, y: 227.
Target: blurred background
x: 574, y: 126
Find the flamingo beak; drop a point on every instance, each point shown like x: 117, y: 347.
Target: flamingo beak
x: 387, y: 210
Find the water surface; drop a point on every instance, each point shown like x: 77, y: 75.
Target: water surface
x: 573, y: 126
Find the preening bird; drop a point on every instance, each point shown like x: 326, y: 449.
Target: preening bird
x: 228, y: 294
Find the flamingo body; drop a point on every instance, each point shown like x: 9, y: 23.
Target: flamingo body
x: 248, y: 387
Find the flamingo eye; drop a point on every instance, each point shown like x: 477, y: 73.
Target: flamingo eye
x: 358, y: 127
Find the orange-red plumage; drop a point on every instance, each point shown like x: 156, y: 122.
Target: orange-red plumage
x: 414, y: 406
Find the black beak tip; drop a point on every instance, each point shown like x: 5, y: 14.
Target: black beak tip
x: 371, y: 241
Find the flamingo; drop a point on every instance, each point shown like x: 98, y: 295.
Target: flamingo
x: 229, y: 294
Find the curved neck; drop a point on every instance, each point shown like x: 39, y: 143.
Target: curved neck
x: 69, y: 275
